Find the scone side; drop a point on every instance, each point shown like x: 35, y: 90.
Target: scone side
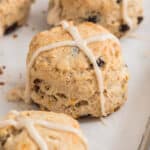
x: 106, y: 13
x: 10, y: 16
x: 40, y: 88
x: 20, y: 139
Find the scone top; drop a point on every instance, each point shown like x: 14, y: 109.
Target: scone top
x: 13, y: 13
x: 118, y: 16
x: 40, y: 130
x: 76, y: 70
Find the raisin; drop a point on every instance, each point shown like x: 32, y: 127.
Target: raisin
x: 91, y: 66
x: 92, y: 19
x: 105, y: 91
x: 35, y: 104
x: 84, y: 116
x: 47, y: 87
x: 3, y: 139
x: 117, y: 108
x: 36, y: 88
x: 37, y: 81
x: 119, y: 1
x: 81, y: 103
x: 2, y: 83
x: 61, y: 95
x: 1, y: 71
x: 139, y: 19
x: 4, y: 67
x: 53, y: 98
x: 100, y: 62
x: 124, y: 28
x: 11, y: 28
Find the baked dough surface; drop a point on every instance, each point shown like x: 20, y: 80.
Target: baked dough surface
x: 108, y: 13
x: 12, y: 138
x: 63, y: 79
x: 13, y: 13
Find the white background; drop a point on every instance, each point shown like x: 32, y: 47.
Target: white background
x: 121, y: 131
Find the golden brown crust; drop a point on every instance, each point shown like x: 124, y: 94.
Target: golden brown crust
x: 63, y: 82
x: 108, y: 13
x: 19, y: 139
x: 13, y: 13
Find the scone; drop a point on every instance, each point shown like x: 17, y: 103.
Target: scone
x: 13, y: 13
x: 118, y: 16
x: 77, y: 70
x: 35, y: 130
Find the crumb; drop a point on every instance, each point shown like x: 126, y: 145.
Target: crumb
x: 4, y: 67
x: 140, y: 19
x: 2, y: 83
x: 1, y: 71
x: 15, y: 36
x: 16, y: 94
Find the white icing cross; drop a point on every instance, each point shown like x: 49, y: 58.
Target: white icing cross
x: 19, y: 122
x: 82, y: 44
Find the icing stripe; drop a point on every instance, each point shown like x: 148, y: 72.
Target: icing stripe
x: 65, y: 128
x: 102, y: 37
x: 29, y: 124
x: 35, y: 135
x: 36, y: 53
x: 5, y: 123
x: 82, y: 44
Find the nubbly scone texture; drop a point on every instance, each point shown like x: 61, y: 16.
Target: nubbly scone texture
x: 108, y: 13
x: 63, y: 79
x: 19, y: 139
x: 13, y: 13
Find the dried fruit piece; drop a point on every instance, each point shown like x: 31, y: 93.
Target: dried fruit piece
x: 124, y: 28
x: 100, y: 62
x: 11, y: 28
x: 139, y: 19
